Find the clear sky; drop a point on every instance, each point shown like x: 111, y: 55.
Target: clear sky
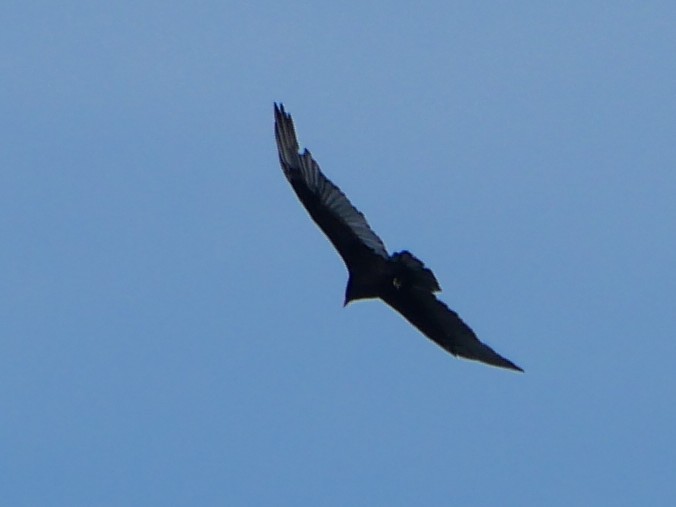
x: 171, y: 321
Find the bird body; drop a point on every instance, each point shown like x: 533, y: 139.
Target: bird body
x: 401, y: 280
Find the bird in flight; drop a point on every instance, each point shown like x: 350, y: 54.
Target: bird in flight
x: 401, y: 280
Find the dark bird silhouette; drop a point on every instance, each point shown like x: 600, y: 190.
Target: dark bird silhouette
x: 401, y: 280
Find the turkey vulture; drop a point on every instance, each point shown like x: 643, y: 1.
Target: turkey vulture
x: 401, y: 280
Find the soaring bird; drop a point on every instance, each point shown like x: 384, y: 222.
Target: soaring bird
x: 401, y: 280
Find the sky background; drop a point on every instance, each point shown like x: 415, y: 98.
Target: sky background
x: 171, y: 321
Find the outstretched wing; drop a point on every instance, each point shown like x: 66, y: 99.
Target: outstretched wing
x: 342, y: 223
x: 442, y: 325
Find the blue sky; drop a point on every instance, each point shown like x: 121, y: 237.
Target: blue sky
x: 171, y: 321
